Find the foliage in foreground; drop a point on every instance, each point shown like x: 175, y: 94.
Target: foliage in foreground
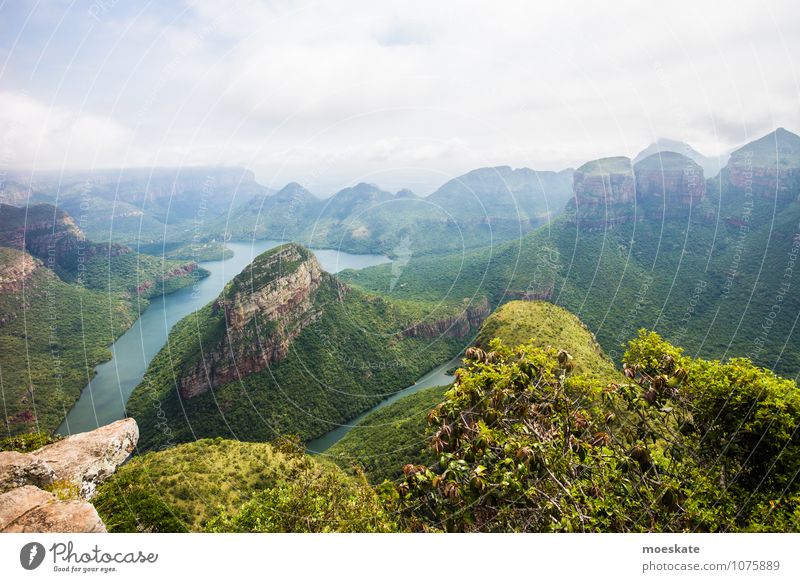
x: 229, y: 485
x: 684, y: 445
x: 313, y: 498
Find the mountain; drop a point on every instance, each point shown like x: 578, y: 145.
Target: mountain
x: 287, y: 348
x: 604, y: 192
x: 521, y: 195
x: 668, y: 185
x: 63, y: 300
x: 282, y: 215
x: 705, y: 274
x: 137, y: 205
x: 768, y: 167
x: 711, y: 164
x: 389, y: 438
x: 483, y: 206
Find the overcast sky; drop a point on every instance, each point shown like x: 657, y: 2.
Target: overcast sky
x: 402, y: 94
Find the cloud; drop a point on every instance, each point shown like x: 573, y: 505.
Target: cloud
x: 39, y: 136
x: 329, y: 93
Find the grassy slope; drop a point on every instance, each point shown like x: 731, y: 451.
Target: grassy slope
x: 395, y: 435
x: 388, y: 438
x: 707, y: 284
x: 191, y: 483
x: 61, y: 327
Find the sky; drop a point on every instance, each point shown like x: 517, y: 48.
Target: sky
x: 401, y: 94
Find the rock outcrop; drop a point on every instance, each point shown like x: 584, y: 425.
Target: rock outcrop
x: 265, y: 308
x: 77, y: 465
x: 604, y: 193
x: 49, y: 234
x: 610, y: 191
x: 769, y: 166
x: 30, y: 510
x: 668, y: 185
x: 16, y: 268
x: 459, y: 325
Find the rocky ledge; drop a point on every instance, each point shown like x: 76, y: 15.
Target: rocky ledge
x: 47, y: 490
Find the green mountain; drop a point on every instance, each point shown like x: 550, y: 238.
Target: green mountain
x: 387, y: 439
x: 287, y: 348
x: 710, y: 266
x: 63, y: 301
x: 482, y: 206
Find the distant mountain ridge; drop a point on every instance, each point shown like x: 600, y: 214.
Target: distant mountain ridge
x: 711, y: 164
x: 651, y: 245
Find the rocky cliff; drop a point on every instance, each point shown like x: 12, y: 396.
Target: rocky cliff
x: 51, y: 235
x: 48, y: 490
x: 16, y: 268
x: 768, y: 167
x: 265, y: 308
x: 459, y: 325
x: 604, y: 193
x: 668, y: 185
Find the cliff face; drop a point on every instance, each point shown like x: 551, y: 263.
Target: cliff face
x: 264, y: 309
x: 49, y: 234
x: 769, y: 167
x: 16, y: 268
x: 668, y: 185
x: 604, y: 193
x: 456, y: 326
x: 610, y: 191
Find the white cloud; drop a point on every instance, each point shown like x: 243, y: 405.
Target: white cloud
x: 41, y: 136
x: 327, y: 93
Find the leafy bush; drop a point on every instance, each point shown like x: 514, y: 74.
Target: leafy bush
x: 681, y: 446
x: 27, y: 442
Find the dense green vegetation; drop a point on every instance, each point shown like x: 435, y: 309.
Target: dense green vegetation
x: 390, y: 437
x: 226, y: 485
x: 340, y: 365
x: 26, y: 442
x: 548, y: 326
x: 709, y: 282
x: 396, y: 435
x: 60, y: 314
x: 190, y: 251
x: 685, y: 445
x: 52, y: 336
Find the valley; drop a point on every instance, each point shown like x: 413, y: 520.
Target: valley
x: 518, y: 351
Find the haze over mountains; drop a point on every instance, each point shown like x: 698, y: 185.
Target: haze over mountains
x: 569, y: 264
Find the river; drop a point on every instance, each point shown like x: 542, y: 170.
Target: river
x: 103, y: 400
x: 436, y: 377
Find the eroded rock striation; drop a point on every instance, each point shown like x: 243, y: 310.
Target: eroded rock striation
x: 74, y: 466
x: 604, y: 193
x: 611, y: 191
x: 265, y: 307
x: 769, y: 166
x: 668, y: 185
x: 459, y: 325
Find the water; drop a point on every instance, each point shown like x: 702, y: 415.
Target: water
x: 436, y: 377
x: 103, y: 400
